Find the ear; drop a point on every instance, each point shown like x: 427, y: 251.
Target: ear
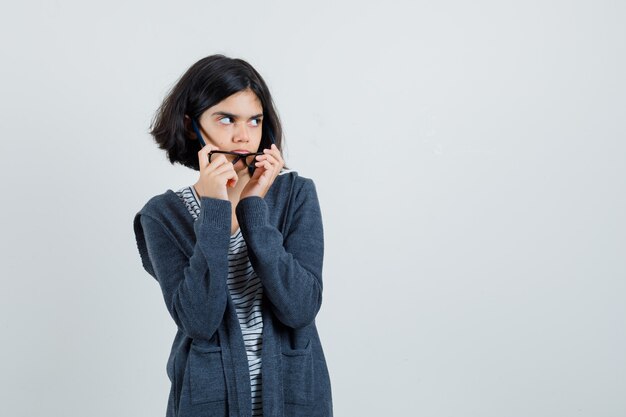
x: 188, y: 129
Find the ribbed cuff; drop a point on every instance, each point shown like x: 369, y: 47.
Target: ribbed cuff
x: 215, y: 212
x: 252, y: 211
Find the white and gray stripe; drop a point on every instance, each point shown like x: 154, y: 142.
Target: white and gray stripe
x: 246, y: 292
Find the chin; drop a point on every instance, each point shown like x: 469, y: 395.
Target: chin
x: 240, y: 168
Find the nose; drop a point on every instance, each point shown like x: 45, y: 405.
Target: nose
x: 241, y: 133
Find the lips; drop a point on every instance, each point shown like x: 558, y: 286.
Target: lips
x: 242, y: 151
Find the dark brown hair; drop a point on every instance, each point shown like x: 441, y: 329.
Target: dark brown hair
x: 206, y: 83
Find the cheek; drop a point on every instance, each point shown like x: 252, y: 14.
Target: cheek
x: 219, y: 137
x: 255, y: 142
x: 257, y: 134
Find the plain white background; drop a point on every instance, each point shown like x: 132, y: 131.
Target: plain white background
x: 470, y: 163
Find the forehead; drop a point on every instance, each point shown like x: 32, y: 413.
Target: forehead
x: 244, y: 100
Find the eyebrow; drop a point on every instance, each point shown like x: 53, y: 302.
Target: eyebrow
x: 234, y: 116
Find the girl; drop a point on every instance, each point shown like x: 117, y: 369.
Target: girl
x: 238, y: 255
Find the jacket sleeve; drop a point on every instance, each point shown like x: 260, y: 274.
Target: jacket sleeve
x: 194, y: 289
x: 290, y: 266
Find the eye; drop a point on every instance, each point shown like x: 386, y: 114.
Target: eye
x: 226, y: 120
x: 255, y: 122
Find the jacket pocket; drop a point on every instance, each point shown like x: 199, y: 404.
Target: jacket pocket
x: 206, y: 375
x: 297, y: 365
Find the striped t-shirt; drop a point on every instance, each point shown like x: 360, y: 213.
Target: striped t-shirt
x: 246, y: 292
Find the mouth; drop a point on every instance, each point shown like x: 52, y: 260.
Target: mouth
x: 240, y: 151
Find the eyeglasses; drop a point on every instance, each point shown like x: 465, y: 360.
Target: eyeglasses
x: 234, y: 157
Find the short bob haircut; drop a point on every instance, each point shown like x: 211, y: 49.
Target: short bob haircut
x: 206, y: 83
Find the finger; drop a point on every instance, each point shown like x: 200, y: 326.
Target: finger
x: 275, y: 165
x: 259, y: 171
x: 271, y: 168
x: 232, y: 181
x: 217, y: 160
x: 231, y: 177
x: 276, y: 153
x: 275, y: 158
x: 203, y: 160
x: 268, y: 157
x: 222, y: 169
x: 203, y: 154
x: 206, y: 149
x: 225, y: 175
x: 268, y: 173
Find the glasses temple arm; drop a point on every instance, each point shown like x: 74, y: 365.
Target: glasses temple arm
x: 195, y: 129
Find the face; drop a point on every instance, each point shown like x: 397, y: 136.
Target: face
x: 234, y: 124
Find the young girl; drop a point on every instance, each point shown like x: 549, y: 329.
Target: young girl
x: 238, y: 255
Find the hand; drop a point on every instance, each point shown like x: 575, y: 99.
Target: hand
x: 267, y: 166
x: 214, y: 176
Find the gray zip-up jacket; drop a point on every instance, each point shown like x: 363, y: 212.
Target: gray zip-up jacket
x: 208, y: 365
